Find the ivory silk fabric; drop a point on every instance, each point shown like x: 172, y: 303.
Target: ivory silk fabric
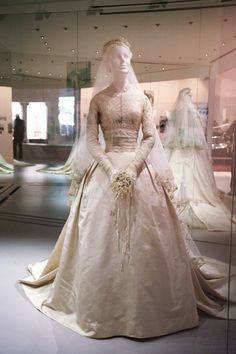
x: 153, y: 288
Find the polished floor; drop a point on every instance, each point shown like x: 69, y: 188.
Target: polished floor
x: 33, y: 208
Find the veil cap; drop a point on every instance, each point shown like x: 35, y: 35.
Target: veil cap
x: 115, y: 41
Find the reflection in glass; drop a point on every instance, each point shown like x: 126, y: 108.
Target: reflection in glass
x: 37, y: 115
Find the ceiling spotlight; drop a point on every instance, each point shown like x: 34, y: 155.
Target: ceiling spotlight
x: 49, y: 49
x: 72, y: 50
x: 223, y: 44
x: 206, y: 55
x: 50, y: 74
x: 157, y: 24
x: 37, y: 29
x: 163, y: 69
x: 97, y: 51
x: 38, y: 73
x: 125, y: 26
x: 46, y: 43
x: 42, y: 36
x: 139, y: 55
x: 95, y: 27
x: 65, y: 28
x: 13, y: 69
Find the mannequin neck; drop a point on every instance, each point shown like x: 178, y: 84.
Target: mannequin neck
x: 120, y: 83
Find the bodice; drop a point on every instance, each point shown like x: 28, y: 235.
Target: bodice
x: 120, y: 117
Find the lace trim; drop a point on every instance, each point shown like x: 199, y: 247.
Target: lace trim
x: 168, y: 183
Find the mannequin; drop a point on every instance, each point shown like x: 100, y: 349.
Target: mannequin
x: 121, y: 264
x: 187, y: 151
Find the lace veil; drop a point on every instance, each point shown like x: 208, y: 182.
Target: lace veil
x: 103, y: 79
x: 184, y: 128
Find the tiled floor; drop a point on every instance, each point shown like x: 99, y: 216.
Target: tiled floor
x: 30, y: 222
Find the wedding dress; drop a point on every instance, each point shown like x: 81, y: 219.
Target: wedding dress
x: 198, y: 199
x: 5, y: 167
x: 121, y: 267
x: 65, y: 169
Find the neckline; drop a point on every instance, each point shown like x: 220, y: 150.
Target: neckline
x: 125, y: 89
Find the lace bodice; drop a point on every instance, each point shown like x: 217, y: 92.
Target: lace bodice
x: 120, y: 117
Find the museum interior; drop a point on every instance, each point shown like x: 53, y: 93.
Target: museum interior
x: 184, y: 58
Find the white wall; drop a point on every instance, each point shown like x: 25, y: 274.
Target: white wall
x: 6, y: 148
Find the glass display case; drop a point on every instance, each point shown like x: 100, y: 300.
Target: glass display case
x: 50, y: 62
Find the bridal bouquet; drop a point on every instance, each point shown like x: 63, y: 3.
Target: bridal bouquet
x: 122, y: 184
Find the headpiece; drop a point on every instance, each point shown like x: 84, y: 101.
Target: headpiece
x: 116, y: 41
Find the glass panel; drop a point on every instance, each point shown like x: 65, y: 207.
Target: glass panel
x: 53, y: 60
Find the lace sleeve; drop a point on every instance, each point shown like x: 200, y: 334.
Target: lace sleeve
x: 93, y: 144
x: 147, y: 142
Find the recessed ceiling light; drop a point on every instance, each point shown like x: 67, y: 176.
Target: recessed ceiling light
x: 223, y: 44
x: 225, y: 20
x: 190, y: 22
x: 97, y: 51
x: 72, y: 50
x: 125, y: 26
x: 37, y: 29
x: 65, y: 28
x: 60, y: 75
x: 163, y: 68
x: 95, y: 27
x: 13, y: 69
x: 157, y: 24
x: 139, y: 55
x: 38, y: 72
x: 50, y: 74
x: 42, y: 36
x: 49, y: 49
x: 206, y: 55
x: 46, y: 43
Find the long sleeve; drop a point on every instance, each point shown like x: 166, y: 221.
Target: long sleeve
x: 93, y: 144
x: 147, y: 142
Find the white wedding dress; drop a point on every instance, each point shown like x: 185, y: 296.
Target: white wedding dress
x: 121, y: 267
x: 197, y: 197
